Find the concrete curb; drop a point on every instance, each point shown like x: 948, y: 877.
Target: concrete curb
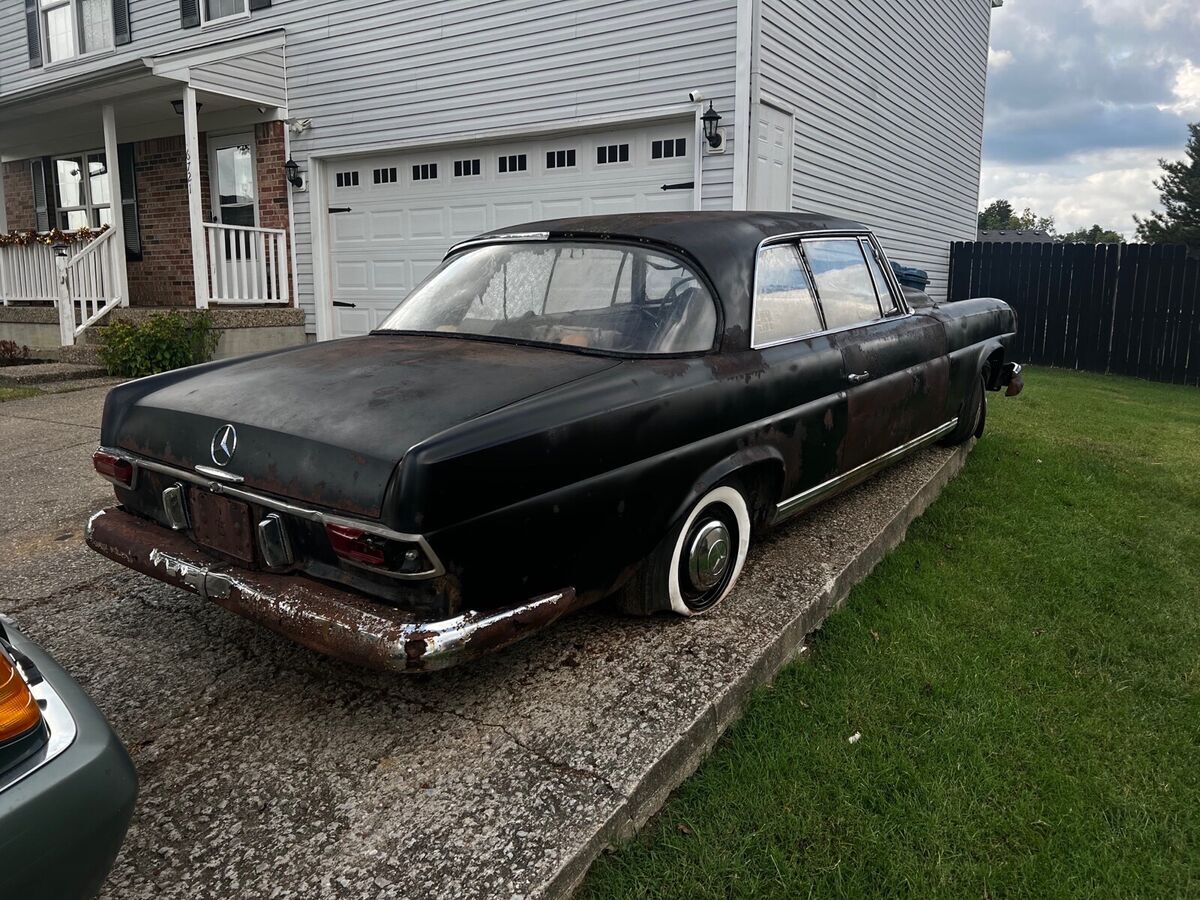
x: 694, y: 744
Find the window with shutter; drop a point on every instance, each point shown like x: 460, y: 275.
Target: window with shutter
x: 33, y: 33
x: 43, y: 195
x: 189, y: 13
x: 129, y: 209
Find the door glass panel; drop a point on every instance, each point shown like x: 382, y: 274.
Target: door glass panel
x: 72, y: 219
x: 98, y: 180
x: 844, y: 284
x: 102, y: 215
x: 68, y: 175
x: 235, y: 184
x: 95, y: 25
x: 59, y: 44
x: 783, y: 300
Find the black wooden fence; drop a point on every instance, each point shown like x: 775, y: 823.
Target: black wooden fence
x: 1133, y: 309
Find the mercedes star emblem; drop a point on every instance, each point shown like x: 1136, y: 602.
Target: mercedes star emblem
x: 224, y: 444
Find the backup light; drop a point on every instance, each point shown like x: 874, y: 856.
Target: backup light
x: 114, y: 468
x: 19, y: 712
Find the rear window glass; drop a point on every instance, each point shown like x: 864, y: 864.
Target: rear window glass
x: 844, y: 284
x: 886, y: 300
x: 784, y: 307
x: 580, y: 295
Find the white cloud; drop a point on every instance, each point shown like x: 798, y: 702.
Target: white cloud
x: 998, y: 59
x: 1105, y: 188
x: 1187, y: 90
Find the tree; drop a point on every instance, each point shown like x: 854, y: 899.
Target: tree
x: 1093, y: 235
x: 1179, y: 187
x: 999, y: 216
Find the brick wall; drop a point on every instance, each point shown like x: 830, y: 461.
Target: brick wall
x: 163, y: 277
x: 18, y: 195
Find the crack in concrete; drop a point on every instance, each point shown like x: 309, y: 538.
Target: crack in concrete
x: 48, y: 421
x: 21, y: 604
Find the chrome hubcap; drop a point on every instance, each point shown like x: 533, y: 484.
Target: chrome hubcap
x: 708, y: 556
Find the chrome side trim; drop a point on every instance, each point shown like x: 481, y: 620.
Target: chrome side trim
x: 60, y: 726
x: 301, y: 512
x: 814, y: 495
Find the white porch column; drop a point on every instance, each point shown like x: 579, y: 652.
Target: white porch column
x: 191, y: 143
x: 3, y: 207
x: 113, y: 165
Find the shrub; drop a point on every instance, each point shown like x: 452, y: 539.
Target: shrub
x: 160, y: 342
x: 11, y: 352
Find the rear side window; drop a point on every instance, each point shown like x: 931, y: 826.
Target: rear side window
x: 784, y: 307
x: 844, y: 284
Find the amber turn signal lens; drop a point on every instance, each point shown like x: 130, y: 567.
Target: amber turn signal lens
x: 19, y: 711
x: 114, y: 468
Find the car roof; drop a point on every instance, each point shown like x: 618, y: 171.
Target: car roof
x: 723, y: 243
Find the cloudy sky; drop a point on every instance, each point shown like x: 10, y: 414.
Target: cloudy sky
x: 1084, y: 97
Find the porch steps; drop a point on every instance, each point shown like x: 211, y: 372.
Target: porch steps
x: 37, y: 374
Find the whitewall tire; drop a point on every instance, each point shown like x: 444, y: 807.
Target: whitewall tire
x: 709, y: 551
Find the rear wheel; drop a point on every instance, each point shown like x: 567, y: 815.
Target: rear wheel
x: 972, y: 417
x: 697, y: 564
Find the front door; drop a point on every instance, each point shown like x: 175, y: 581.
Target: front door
x: 231, y: 170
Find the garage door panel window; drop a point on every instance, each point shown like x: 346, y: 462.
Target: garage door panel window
x: 512, y: 163
x: 845, y: 289
x: 576, y: 295
x: 385, y: 176
x: 425, y: 172
x: 347, y: 179
x: 668, y: 149
x: 560, y: 159
x: 466, y: 168
x: 608, y: 154
x: 784, y: 305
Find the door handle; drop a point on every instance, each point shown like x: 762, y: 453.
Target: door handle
x: 858, y: 377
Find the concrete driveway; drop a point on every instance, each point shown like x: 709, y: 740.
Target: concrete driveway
x: 268, y: 771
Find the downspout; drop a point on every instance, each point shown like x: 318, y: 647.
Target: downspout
x: 742, y: 109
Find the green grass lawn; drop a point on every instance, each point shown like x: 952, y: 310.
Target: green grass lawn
x: 1025, y: 675
x: 16, y: 393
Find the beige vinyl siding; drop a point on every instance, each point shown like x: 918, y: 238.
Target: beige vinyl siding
x: 889, y: 101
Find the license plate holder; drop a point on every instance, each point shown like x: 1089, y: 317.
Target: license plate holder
x: 222, y: 524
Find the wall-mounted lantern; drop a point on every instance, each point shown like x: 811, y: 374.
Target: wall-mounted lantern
x: 293, y: 174
x: 712, y: 133
x: 177, y: 105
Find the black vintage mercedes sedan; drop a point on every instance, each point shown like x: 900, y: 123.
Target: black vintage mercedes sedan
x: 561, y: 412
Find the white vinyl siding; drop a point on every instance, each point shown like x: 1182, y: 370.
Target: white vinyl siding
x: 889, y: 102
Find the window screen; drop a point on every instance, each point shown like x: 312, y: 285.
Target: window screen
x: 783, y: 300
x: 844, y: 284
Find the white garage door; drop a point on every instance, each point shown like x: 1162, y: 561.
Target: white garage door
x: 393, y: 216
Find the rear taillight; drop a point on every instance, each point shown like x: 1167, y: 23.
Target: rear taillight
x: 356, y: 545
x: 115, y: 468
x: 19, y: 712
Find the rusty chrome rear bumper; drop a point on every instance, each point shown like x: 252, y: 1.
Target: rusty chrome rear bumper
x: 339, y: 623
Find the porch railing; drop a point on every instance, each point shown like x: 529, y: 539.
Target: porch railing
x: 246, y: 265
x: 28, y: 274
x: 93, y: 286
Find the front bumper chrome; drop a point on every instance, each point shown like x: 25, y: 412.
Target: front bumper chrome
x: 338, y: 623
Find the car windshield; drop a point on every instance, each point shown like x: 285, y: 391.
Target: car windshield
x: 606, y: 297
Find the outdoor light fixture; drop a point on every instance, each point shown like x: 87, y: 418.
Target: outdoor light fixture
x: 177, y: 105
x: 293, y: 175
x: 711, y: 133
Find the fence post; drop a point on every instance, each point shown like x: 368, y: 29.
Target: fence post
x: 66, y: 309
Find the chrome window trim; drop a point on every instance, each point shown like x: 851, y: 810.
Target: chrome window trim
x: 60, y: 727
x: 301, y: 512
x: 499, y: 239
x: 813, y: 495
x: 798, y: 237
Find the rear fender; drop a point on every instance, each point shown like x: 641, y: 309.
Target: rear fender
x: 770, y: 470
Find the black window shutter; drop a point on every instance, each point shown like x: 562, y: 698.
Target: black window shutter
x: 120, y: 17
x: 259, y: 4
x: 33, y: 33
x: 189, y: 13
x: 43, y: 193
x: 129, y: 208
